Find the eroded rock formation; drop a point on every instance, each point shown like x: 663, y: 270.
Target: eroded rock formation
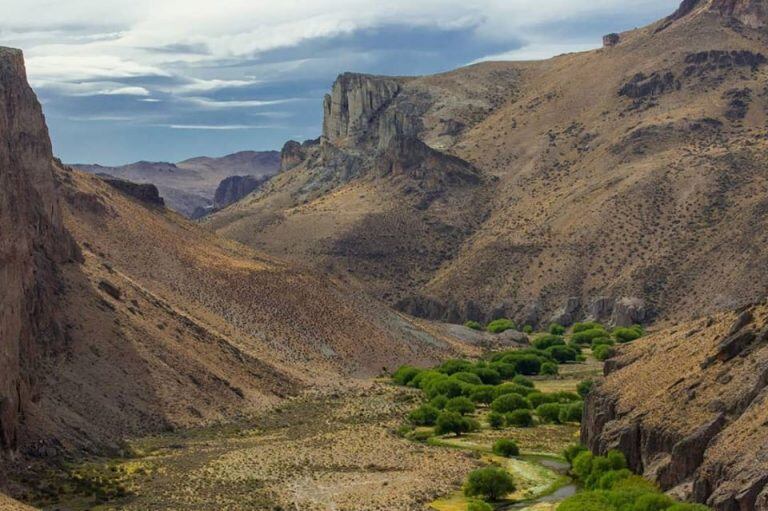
x: 234, y: 188
x: 32, y: 243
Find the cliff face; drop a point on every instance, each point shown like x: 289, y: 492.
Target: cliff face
x: 234, y: 188
x: 689, y: 408
x: 752, y: 13
x: 32, y: 243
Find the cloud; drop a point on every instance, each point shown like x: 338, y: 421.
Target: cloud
x: 214, y: 127
x: 249, y: 103
x: 126, y: 91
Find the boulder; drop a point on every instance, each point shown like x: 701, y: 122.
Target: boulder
x: 610, y: 40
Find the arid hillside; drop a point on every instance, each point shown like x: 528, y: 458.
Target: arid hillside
x: 689, y: 408
x: 121, y: 317
x: 626, y: 183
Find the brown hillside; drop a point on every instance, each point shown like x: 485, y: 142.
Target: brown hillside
x: 689, y: 408
x: 629, y: 180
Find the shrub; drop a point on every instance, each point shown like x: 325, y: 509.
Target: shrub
x: 556, y: 329
x: 455, y: 366
x: 452, y: 422
x: 584, y: 387
x: 519, y: 419
x: 483, y: 394
x: 505, y: 370
x: 425, y: 415
x: 587, y: 501
x: 652, y: 502
x: 603, y: 352
x: 572, y: 451
x: 626, y: 334
x: 528, y: 329
x: 617, y: 459
x: 424, y: 378
x: 581, y: 465
x: 474, y: 325
x: 587, y: 336
x: 439, y: 402
x: 528, y: 364
x: 608, y: 480
x: 539, y: 398
x: 549, y: 368
x: 495, y: 420
x: 491, y: 483
x: 487, y: 375
x: 602, y: 340
x: 688, y: 507
x: 562, y: 353
x: 460, y: 405
x: 571, y: 412
x: 549, y: 412
x: 522, y: 380
x: 544, y: 341
x: 509, y: 403
x: 445, y: 386
x: 500, y: 325
x: 467, y: 377
x: 478, y: 505
x: 506, y: 447
x: 587, y: 325
x: 405, y: 374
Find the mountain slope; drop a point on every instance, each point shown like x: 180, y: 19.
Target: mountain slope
x: 624, y: 183
x: 189, y: 186
x: 689, y: 408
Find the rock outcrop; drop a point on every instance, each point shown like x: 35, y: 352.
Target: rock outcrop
x: 689, y: 407
x: 751, y: 13
x: 145, y: 192
x: 234, y: 188
x: 610, y: 40
x: 33, y: 242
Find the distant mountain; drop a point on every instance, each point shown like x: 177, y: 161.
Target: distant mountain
x: 189, y: 186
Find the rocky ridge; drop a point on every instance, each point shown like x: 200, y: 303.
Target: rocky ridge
x: 689, y: 406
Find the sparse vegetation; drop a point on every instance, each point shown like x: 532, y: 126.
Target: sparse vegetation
x: 506, y: 447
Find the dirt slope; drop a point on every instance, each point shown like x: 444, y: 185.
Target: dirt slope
x: 625, y: 183
x: 689, y: 408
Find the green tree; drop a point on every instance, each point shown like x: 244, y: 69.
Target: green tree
x: 519, y: 419
x: 556, y: 329
x: 461, y: 405
x: 405, y: 374
x: 506, y: 447
x: 452, y: 422
x: 495, y: 420
x: 425, y: 415
x: 490, y: 483
x: 509, y: 403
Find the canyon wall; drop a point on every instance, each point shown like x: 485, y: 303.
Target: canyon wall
x: 32, y: 243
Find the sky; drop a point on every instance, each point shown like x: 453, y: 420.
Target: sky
x: 165, y: 80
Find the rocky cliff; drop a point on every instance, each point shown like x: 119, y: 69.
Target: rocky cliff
x: 689, y: 408
x: 234, y: 188
x: 32, y: 243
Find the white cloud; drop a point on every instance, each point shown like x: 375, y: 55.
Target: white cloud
x: 249, y: 103
x: 125, y: 91
x: 215, y: 127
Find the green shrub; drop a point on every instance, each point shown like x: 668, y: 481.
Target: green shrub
x: 509, y: 403
x: 467, y: 377
x: 626, y: 334
x: 439, y: 402
x: 420, y: 436
x: 544, y: 341
x: 498, y: 326
x: 522, y: 380
x: 425, y: 415
x: 587, y: 501
x: 483, y: 394
x: 549, y: 412
x: 474, y: 325
x: 487, y: 375
x: 452, y: 422
x: 505, y: 447
x: 584, y: 387
x: 602, y: 340
x: 571, y: 412
x: 608, y: 480
x: 587, y: 336
x: 556, y: 329
x: 572, y: 451
x: 581, y: 465
x: 603, y: 352
x: 587, y: 325
x: 449, y: 387
x: 422, y: 379
x: 528, y: 329
x: 617, y: 459
x: 687, y: 507
x: 455, y: 366
x: 562, y: 354
x: 491, y: 483
x: 519, y: 419
x: 549, y: 368
x: 564, y: 397
x: 405, y: 374
x: 505, y: 370
x: 652, y: 502
x: 539, y: 398
x: 495, y: 420
x: 460, y: 405
x: 478, y: 505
